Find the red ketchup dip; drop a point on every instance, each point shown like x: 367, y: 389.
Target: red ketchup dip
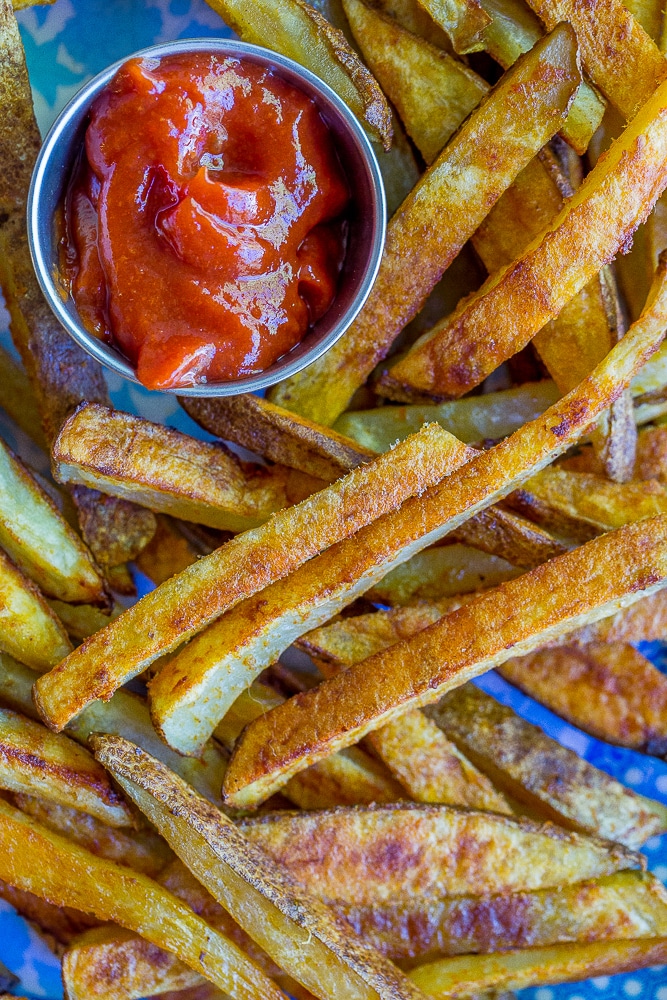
x: 204, y: 222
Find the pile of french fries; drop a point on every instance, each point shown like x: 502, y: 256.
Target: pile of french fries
x: 473, y: 477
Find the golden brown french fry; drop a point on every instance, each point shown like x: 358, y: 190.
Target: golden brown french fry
x: 171, y: 472
x: 464, y: 977
x: 431, y: 91
x: 457, y: 192
x: 437, y: 852
x: 652, y: 454
x: 608, y: 690
x: 535, y: 769
x: 29, y: 630
x: 511, y: 538
x: 60, y: 373
x: 82, y: 620
x: 59, y: 923
x: 411, y: 15
x: 298, y: 31
x: 457, y: 354
x: 17, y: 400
x: 249, y: 562
x: 168, y: 552
x: 275, y: 433
x: 297, y: 931
x: 624, y: 905
x: 620, y: 58
x: 46, y: 864
x: 464, y: 22
x: 518, y: 616
x: 441, y: 572
x: 38, y: 762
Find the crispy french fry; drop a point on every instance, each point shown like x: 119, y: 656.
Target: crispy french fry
x: 60, y: 373
x: 621, y: 59
x: 431, y: 91
x: 46, y: 864
x: 437, y: 852
x: 170, y: 472
x: 188, y: 602
x: 297, y: 30
x: 411, y: 15
x: 441, y: 572
x: 537, y: 770
x: 511, y: 538
x: 624, y: 905
x: 17, y: 400
x: 457, y: 354
x: 300, y: 934
x: 29, y: 630
x: 456, y: 192
x: 82, y: 620
x: 168, y: 552
x: 38, y: 762
x: 142, y: 850
x: 610, y: 691
x: 652, y: 454
x: 60, y: 923
x: 40, y: 541
x: 518, y: 616
x: 464, y: 22
x: 466, y: 976
x: 275, y: 433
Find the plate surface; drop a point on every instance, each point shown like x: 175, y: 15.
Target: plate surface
x: 66, y: 44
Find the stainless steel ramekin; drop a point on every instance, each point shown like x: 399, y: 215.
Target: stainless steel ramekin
x: 367, y: 214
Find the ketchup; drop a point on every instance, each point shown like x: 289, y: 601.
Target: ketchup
x: 203, y: 222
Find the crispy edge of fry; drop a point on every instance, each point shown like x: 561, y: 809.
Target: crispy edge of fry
x: 308, y: 941
x: 43, y: 862
x: 463, y: 21
x: 277, y: 434
x: 416, y: 254
x: 29, y: 630
x: 188, y: 602
x: 635, y: 170
x: 462, y: 645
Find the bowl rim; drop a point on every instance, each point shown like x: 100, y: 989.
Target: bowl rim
x: 71, y: 117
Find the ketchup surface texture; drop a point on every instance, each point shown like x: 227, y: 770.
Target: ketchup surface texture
x: 203, y: 229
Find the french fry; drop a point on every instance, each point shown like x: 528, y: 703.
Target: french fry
x: 652, y: 454
x: 275, y: 433
x: 518, y: 617
x: 301, y: 935
x: 432, y: 92
x: 464, y: 22
x: 438, y: 852
x: 29, y: 630
x: 456, y: 192
x: 184, y: 605
x: 564, y: 963
x: 609, y: 691
x: 511, y: 538
x: 38, y: 762
x: 620, y: 58
x: 142, y: 849
x: 60, y: 373
x: 297, y: 30
x: 441, y: 572
x: 46, y: 864
x: 456, y: 355
x: 170, y: 472
x: 625, y: 905
x: 17, y: 400
x: 59, y: 923
x: 473, y: 419
x: 168, y: 552
x: 535, y: 769
x: 40, y: 541
x: 410, y: 14
x: 82, y: 620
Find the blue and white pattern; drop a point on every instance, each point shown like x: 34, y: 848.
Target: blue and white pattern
x: 66, y: 44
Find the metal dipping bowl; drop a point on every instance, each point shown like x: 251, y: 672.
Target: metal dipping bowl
x: 366, y: 214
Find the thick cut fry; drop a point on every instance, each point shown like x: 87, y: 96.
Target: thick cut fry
x: 170, y: 472
x: 652, y: 454
x: 464, y: 22
x: 621, y: 59
x: 472, y: 420
x: 441, y: 572
x: 82, y: 620
x: 300, y: 934
x: 168, y: 552
x: 537, y: 770
x: 610, y: 691
x: 511, y: 538
x: 40, y: 541
x: 43, y: 862
x: 60, y: 923
x: 367, y: 857
x: 625, y: 905
x: 517, y: 301
x: 185, y: 604
x: 518, y: 616
x: 38, y: 762
x: 275, y: 433
x: 431, y: 91
x: 142, y: 850
x: 29, y: 630
x: 61, y: 373
x: 298, y: 31
x: 465, y: 977
x: 412, y: 16
x: 17, y: 400
x: 456, y: 191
